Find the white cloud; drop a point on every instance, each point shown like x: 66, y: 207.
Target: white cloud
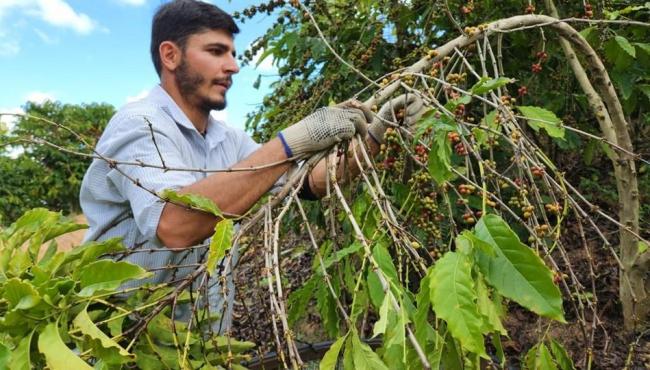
x: 9, y: 120
x: 59, y: 13
x: 46, y: 38
x: 266, y: 65
x: 6, y: 5
x: 133, y: 2
x: 55, y: 12
x: 8, y: 47
x: 39, y: 97
x: 139, y: 96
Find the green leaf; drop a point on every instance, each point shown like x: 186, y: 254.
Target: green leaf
x: 451, y: 357
x: 222, y: 343
x: 440, y: 158
x: 348, y: 361
x: 643, y: 46
x: 5, y: 356
x: 298, y: 299
x: 375, y: 289
x: 88, y: 327
x: 221, y: 242
x: 360, y: 304
x: 107, y: 275
x: 486, y: 84
x: 364, y: 357
x: 609, y: 152
x: 115, y: 324
x: 489, y: 309
x: 28, y: 224
x: 561, y: 356
x: 516, y: 271
x: 340, y: 254
x: 385, y: 262
x: 395, y: 334
x: 452, y: 104
x: 21, y: 295
x: 590, y: 34
x: 192, y: 200
x: 57, y: 355
x: 327, y: 308
x: 331, y: 357
x: 423, y: 330
x: 454, y: 300
x: 541, y: 118
x: 21, y: 356
x: 93, y: 250
x: 643, y: 247
x: 380, y: 325
x: 258, y: 81
x: 625, y: 81
x: 539, y: 358
x: 20, y: 262
x: 617, y: 13
x: 645, y: 89
x: 625, y: 45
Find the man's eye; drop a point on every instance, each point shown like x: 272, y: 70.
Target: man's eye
x: 216, y: 51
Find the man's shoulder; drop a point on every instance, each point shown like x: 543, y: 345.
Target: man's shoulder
x: 134, y: 120
x: 139, y: 109
x: 139, y: 114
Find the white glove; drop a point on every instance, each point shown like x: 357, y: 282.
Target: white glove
x: 413, y: 109
x: 324, y: 128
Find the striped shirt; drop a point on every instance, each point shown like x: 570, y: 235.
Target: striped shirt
x: 116, y: 207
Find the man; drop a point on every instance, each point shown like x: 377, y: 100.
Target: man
x: 193, y: 52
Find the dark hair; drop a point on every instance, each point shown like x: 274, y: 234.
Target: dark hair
x: 177, y: 20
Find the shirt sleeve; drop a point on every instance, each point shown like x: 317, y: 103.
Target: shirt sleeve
x: 132, y: 141
x: 246, y: 145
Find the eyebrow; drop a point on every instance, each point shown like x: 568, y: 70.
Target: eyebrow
x: 220, y: 45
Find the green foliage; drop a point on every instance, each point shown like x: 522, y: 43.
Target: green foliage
x: 453, y: 297
x: 38, y: 175
x: 68, y: 310
x: 542, y: 118
x: 220, y: 243
x: 193, y: 201
x: 516, y: 271
x: 539, y: 357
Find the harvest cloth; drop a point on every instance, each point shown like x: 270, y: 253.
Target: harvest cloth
x: 115, y: 207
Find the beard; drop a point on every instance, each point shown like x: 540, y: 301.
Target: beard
x: 189, y: 82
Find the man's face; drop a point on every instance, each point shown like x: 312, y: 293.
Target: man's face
x: 205, y: 72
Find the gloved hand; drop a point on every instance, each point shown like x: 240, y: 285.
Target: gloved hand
x: 324, y: 128
x: 413, y: 109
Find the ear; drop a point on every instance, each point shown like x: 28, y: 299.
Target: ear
x: 170, y: 55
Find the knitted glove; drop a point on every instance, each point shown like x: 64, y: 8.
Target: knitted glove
x: 324, y: 128
x: 413, y: 109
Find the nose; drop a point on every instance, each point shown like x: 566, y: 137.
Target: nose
x: 231, y: 65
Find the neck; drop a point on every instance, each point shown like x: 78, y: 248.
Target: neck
x: 196, y: 115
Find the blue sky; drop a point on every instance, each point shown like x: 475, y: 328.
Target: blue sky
x: 80, y: 51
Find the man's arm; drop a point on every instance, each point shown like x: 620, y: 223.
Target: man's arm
x: 233, y: 192
x: 236, y: 192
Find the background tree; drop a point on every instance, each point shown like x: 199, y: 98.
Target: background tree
x: 40, y: 175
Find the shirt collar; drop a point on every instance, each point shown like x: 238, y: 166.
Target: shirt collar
x: 215, y: 129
